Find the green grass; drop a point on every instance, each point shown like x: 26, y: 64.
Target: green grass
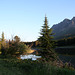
x: 14, y: 66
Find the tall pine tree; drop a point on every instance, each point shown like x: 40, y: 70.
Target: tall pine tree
x: 3, y: 45
x: 46, y: 43
x: 2, y: 36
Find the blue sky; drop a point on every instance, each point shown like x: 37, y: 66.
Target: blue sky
x: 25, y: 17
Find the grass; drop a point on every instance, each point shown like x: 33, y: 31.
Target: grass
x: 68, y: 58
x: 13, y: 66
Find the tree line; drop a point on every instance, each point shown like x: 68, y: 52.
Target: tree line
x: 66, y: 41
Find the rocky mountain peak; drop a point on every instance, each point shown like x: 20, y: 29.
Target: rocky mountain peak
x: 73, y: 18
x: 66, y: 20
x: 64, y: 28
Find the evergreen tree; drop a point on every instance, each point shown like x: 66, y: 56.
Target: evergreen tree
x: 3, y: 45
x: 2, y: 36
x: 46, y: 43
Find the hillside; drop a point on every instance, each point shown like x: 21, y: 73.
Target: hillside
x: 64, y: 29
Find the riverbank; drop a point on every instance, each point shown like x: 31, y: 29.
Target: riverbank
x: 13, y: 66
x: 68, y: 58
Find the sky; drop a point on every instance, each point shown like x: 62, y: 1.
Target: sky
x: 24, y: 18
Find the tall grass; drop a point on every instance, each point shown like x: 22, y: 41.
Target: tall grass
x: 27, y: 67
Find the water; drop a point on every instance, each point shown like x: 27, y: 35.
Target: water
x: 31, y: 56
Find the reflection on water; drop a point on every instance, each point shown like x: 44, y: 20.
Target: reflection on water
x: 33, y: 57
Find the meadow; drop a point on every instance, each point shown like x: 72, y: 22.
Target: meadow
x: 14, y: 66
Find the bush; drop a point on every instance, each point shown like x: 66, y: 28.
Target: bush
x: 17, y: 49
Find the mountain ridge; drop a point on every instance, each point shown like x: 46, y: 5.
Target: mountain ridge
x: 64, y: 29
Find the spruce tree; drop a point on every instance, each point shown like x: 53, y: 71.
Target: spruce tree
x: 2, y: 36
x: 3, y: 45
x: 46, y: 43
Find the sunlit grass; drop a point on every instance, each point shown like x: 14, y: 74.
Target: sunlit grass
x: 30, y: 51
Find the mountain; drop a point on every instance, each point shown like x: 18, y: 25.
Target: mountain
x: 64, y: 29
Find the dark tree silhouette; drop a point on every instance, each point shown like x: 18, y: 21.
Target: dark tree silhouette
x: 46, y: 43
